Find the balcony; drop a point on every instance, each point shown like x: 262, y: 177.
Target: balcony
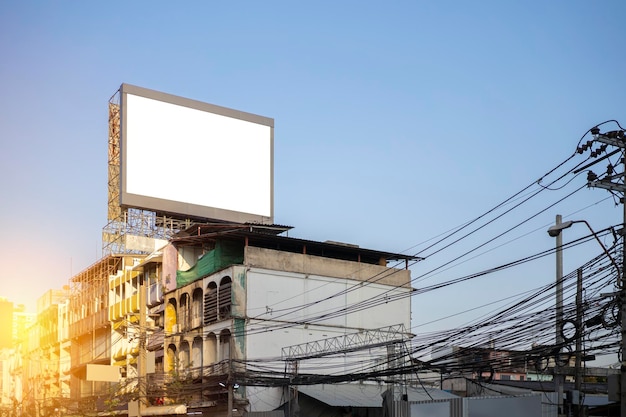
x: 87, y: 324
x: 115, y: 311
x: 155, y: 340
x: 155, y: 294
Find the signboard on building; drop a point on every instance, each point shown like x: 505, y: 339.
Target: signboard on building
x: 193, y: 159
x: 108, y: 373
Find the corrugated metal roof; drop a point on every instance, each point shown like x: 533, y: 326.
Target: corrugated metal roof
x: 344, y: 395
x: 265, y: 235
x: 421, y: 394
x: 365, y: 395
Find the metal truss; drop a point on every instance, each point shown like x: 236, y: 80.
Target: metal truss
x: 124, y: 221
x: 347, y: 343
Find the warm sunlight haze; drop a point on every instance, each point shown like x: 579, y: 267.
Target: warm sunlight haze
x: 305, y: 171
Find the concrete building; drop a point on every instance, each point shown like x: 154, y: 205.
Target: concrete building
x: 239, y: 293
x: 124, y: 314
x: 90, y: 330
x: 14, y: 321
x: 6, y: 350
x: 6, y: 381
x: 48, y: 350
x: 65, y: 358
x: 6, y: 322
x: 22, y: 322
x: 17, y: 340
x: 201, y: 310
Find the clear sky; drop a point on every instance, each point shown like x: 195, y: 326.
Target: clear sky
x: 394, y: 122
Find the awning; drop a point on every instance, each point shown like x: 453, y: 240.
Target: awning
x: 157, y: 309
x: 121, y: 362
x: 345, y: 395
x: 156, y: 256
x: 427, y: 394
x: 365, y: 395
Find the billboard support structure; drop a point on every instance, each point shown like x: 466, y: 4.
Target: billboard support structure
x: 128, y: 221
x: 174, y: 161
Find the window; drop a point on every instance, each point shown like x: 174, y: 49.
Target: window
x: 196, y: 307
x: 210, y: 304
x: 184, y: 311
x: 224, y: 298
x: 225, y: 344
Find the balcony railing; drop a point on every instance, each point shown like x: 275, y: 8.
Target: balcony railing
x: 155, y: 340
x: 155, y: 294
x: 87, y: 324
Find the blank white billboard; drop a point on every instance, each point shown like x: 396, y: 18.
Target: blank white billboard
x: 185, y: 157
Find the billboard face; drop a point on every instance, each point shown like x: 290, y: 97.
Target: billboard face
x: 185, y: 157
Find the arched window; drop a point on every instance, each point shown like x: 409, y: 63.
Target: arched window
x: 171, y: 320
x: 225, y: 296
x: 196, y: 356
x: 210, y: 303
x: 224, y: 345
x: 210, y: 353
x: 170, y: 358
x: 184, y: 358
x: 185, y: 320
x: 196, y: 308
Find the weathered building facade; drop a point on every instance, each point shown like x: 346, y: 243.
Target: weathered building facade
x: 186, y: 326
x: 244, y: 293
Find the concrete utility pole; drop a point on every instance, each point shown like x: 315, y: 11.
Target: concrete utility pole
x: 579, y: 336
x: 231, y: 382
x: 141, y: 363
x: 615, y: 183
x: 622, y: 297
x: 230, y: 399
x: 559, y: 378
x: 555, y: 231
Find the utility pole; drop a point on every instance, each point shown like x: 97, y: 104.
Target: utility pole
x: 141, y: 363
x: 579, y: 337
x: 555, y: 231
x: 230, y: 399
x: 558, y: 376
x: 614, y: 182
x: 622, y: 297
x: 230, y: 380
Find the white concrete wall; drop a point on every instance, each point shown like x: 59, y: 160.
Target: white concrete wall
x: 295, y: 297
x: 279, y: 303
x: 287, y: 299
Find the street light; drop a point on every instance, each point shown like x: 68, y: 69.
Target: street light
x: 555, y: 231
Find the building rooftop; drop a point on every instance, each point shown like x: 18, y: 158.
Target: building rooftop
x: 268, y: 236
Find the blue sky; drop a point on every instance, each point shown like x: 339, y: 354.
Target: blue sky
x: 394, y: 122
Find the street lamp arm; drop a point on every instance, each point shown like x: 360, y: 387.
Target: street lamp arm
x: 606, y: 251
x: 556, y: 229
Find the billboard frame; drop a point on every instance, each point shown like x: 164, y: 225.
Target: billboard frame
x: 182, y: 209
